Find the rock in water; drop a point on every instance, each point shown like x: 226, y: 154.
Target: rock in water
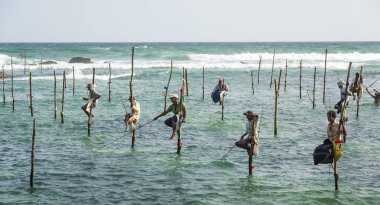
x: 80, y: 60
x: 48, y: 63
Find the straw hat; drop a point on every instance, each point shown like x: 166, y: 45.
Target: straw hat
x: 174, y: 96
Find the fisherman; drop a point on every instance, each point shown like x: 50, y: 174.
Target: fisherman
x: 356, y: 86
x: 179, y: 117
x: 219, y: 91
x: 343, y: 95
x: 131, y: 119
x: 246, y: 143
x: 92, y: 99
x: 334, y: 132
x: 375, y: 96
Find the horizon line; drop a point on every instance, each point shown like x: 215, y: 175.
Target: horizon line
x: 360, y: 41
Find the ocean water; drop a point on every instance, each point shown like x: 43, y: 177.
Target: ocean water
x: 72, y: 167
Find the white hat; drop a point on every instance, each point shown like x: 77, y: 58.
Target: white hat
x: 174, y: 96
x: 341, y: 83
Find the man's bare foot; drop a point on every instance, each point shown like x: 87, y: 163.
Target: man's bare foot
x: 173, y: 135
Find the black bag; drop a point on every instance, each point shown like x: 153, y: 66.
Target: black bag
x: 323, y: 154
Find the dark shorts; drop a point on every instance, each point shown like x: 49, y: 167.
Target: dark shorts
x: 216, y: 96
x: 169, y: 122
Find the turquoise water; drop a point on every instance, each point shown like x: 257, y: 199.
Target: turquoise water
x: 74, y: 168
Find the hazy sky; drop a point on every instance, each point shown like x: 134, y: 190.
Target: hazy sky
x: 188, y: 20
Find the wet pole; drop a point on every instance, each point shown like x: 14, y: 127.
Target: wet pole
x: 203, y: 82
x: 179, y: 132
x: 279, y: 79
x: 32, y: 154
x: 271, y: 76
x: 300, y: 77
x: 109, y: 83
x: 223, y: 102
x: 315, y: 74
x: 167, y: 85
x: 73, y: 81
x: 30, y: 94
x: 275, y: 107
x: 286, y: 73
x: 131, y: 95
x: 324, y: 78
x: 63, y: 96
x: 93, y: 76
x: 358, y: 98
x: 342, y: 122
x: 254, y: 133
x: 55, y: 96
x: 258, y: 71
x: 253, y: 90
x: 89, y: 119
x: 13, y: 97
x: 3, y: 86
x: 187, y: 83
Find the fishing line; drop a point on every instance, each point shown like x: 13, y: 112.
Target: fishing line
x: 129, y: 131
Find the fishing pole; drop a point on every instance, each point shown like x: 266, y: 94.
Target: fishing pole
x: 122, y: 101
x: 127, y: 132
x: 228, y: 152
x: 374, y: 82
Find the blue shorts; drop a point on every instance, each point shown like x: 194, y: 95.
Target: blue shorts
x: 169, y: 122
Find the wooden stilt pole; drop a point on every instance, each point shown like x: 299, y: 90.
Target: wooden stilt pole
x: 63, y: 97
x: 335, y: 166
x: 187, y: 83
x: 258, y: 71
x: 13, y: 97
x: 131, y: 94
x: 271, y: 76
x: 253, y: 89
x: 41, y: 61
x: 254, y: 133
x: 64, y: 81
x: 25, y: 62
x: 55, y: 96
x: 315, y: 75
x: 32, y: 154
x: 342, y: 122
x: 179, y: 132
x: 345, y: 103
x: 167, y: 85
x: 73, y: 81
x: 286, y: 73
x: 30, y: 94
x: 300, y: 77
x: 324, y: 78
x: 109, y: 83
x: 279, y: 79
x: 275, y: 107
x: 3, y: 86
x: 222, y: 101
x: 93, y: 76
x: 203, y: 83
x: 358, y: 98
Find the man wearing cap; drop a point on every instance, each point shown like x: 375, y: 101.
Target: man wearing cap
x: 172, y: 121
x: 343, y: 95
x: 246, y: 143
x: 92, y: 98
x: 219, y: 91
